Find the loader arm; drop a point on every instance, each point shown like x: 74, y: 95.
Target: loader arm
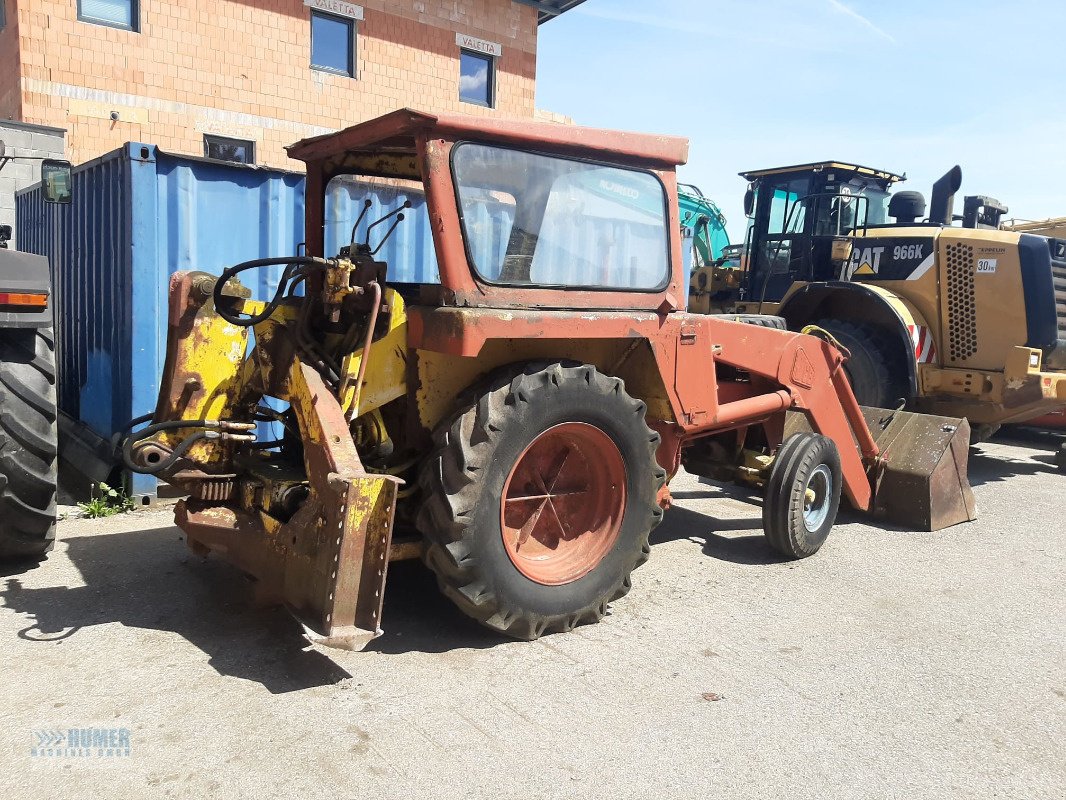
x: 908, y: 468
x: 810, y: 371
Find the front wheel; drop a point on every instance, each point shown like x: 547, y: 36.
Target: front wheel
x: 802, y: 495
x: 539, y: 499
x: 28, y: 443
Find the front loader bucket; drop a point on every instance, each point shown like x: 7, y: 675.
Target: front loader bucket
x: 922, y: 481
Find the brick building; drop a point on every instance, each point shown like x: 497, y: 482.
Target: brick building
x: 240, y: 79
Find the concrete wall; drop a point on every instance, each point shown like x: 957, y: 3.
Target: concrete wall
x: 241, y: 69
x: 21, y: 139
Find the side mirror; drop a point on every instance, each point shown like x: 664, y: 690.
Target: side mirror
x: 55, y: 181
x: 5, y: 235
x: 749, y: 201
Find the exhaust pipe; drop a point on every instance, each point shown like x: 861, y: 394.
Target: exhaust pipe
x: 941, y: 204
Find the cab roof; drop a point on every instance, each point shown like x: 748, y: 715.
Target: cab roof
x: 398, y: 131
x: 822, y: 166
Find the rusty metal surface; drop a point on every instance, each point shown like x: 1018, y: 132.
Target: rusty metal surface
x: 803, y: 367
x: 328, y: 562
x: 397, y: 131
x: 562, y: 504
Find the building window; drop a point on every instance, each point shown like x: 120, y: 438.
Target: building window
x: 220, y: 148
x: 116, y: 13
x: 477, y: 78
x: 333, y: 43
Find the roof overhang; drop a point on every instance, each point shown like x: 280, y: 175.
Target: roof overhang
x: 550, y: 9
x: 397, y: 133
x: 825, y: 166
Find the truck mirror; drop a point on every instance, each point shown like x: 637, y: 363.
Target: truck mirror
x: 55, y: 180
x: 5, y: 235
x: 749, y: 201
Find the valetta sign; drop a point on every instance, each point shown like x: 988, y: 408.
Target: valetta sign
x: 338, y: 7
x: 478, y: 45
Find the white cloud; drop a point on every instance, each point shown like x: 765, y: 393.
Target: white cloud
x: 850, y: 12
x: 476, y: 83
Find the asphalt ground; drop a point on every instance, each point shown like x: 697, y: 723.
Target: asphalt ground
x: 889, y: 665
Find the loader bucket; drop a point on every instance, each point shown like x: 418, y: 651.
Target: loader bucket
x: 920, y: 482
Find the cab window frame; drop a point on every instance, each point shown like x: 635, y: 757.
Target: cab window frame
x: 481, y: 278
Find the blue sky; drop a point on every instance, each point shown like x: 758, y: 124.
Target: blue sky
x: 906, y: 86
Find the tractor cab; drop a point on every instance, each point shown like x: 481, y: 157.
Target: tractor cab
x: 802, y: 218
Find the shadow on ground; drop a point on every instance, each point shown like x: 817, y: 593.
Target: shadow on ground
x: 681, y: 523
x: 990, y: 467
x: 147, y: 579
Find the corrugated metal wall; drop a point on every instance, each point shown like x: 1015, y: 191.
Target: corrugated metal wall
x: 88, y: 244
x: 138, y: 216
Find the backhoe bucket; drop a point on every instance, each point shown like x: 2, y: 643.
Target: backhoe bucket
x: 922, y: 480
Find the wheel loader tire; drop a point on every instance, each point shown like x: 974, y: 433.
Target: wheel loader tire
x: 797, y: 525
x: 539, y: 498
x: 27, y: 443
x: 982, y: 432
x: 875, y: 379
x: 762, y: 320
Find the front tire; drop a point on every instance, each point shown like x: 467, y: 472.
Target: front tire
x: 802, y: 495
x: 28, y: 443
x: 539, y: 499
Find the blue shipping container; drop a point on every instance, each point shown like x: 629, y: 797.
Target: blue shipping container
x: 139, y: 215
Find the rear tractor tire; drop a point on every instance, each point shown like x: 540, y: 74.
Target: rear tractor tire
x: 28, y: 443
x: 802, y: 495
x: 539, y: 499
x: 875, y: 376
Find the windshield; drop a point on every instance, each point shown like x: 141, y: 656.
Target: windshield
x: 537, y: 220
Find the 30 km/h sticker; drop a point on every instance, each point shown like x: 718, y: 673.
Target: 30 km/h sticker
x: 986, y: 265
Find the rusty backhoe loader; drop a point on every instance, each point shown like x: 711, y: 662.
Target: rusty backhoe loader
x: 517, y: 423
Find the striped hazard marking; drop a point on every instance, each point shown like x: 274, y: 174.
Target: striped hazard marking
x: 924, y: 346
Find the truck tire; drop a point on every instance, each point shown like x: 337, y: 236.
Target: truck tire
x: 28, y: 446
x: 875, y: 379
x: 796, y: 525
x: 539, y: 498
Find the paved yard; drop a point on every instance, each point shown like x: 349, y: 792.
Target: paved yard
x: 889, y: 665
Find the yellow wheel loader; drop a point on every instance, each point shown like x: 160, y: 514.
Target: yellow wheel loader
x: 961, y: 319
x: 515, y: 424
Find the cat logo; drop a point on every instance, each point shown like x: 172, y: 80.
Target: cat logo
x: 864, y: 261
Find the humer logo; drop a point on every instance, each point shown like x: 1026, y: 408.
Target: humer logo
x: 82, y: 743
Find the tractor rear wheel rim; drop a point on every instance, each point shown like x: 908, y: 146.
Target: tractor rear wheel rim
x: 817, y: 494
x: 563, y: 503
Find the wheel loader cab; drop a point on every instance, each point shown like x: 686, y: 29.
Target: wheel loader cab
x: 801, y: 222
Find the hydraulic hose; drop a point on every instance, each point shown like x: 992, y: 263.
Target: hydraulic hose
x: 294, y: 272
x: 211, y: 429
